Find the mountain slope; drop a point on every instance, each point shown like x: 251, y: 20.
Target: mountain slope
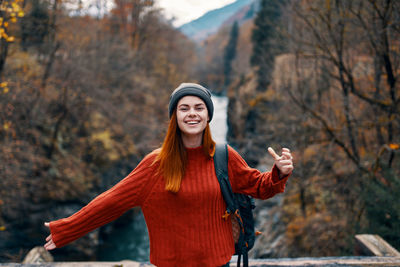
x: 210, y: 22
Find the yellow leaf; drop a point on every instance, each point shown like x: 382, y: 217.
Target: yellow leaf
x: 10, y: 39
x: 2, y: 228
x: 3, y: 84
x: 6, y: 24
x: 5, y: 90
x: 21, y: 14
x: 13, y: 19
x: 6, y: 126
x: 394, y: 146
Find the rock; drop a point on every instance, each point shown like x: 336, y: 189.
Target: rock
x: 38, y: 255
x: 272, y: 242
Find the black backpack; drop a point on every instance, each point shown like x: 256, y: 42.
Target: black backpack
x: 239, y: 206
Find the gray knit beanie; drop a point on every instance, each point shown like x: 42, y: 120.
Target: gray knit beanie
x: 185, y: 89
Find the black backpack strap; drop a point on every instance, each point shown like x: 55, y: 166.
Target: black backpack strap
x: 245, y: 259
x: 221, y: 170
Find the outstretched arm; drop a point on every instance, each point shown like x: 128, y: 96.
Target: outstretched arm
x: 262, y: 185
x: 106, y: 207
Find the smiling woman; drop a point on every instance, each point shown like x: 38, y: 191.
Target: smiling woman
x: 178, y: 191
x: 182, y: 135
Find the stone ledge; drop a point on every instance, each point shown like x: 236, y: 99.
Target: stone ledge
x: 310, y: 262
x: 126, y: 263
x: 327, y: 261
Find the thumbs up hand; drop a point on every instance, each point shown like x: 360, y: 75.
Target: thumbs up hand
x: 284, y: 162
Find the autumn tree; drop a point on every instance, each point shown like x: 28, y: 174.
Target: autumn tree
x: 10, y: 11
x: 127, y: 15
x: 346, y: 80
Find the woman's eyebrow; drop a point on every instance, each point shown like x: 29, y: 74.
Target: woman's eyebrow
x: 196, y: 105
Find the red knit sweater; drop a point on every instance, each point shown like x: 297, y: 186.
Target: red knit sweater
x: 185, y: 228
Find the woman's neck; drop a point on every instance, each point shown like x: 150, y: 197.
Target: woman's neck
x: 192, y: 141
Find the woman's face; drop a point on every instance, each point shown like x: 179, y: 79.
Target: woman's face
x: 192, y: 116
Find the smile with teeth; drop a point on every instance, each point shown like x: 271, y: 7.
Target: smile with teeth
x: 192, y: 122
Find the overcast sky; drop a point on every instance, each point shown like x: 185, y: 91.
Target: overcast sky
x: 187, y: 10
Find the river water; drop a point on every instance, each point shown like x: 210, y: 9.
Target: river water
x: 219, y: 123
x: 131, y: 241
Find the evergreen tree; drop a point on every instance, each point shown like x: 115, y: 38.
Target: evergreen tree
x: 230, y: 53
x: 251, y: 12
x: 264, y: 38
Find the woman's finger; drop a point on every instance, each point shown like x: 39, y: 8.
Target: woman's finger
x: 287, y: 155
x: 286, y: 169
x: 285, y: 162
x: 273, y: 153
x: 48, y: 238
x: 50, y: 245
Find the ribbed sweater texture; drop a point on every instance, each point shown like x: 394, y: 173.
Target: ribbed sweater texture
x: 185, y: 228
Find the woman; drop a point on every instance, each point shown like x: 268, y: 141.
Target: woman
x: 178, y: 192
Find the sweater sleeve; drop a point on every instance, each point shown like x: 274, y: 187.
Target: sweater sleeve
x: 250, y: 181
x: 108, y: 206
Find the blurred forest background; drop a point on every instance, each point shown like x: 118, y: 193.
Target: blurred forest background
x: 84, y: 97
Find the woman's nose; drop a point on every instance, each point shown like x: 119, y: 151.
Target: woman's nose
x: 192, y: 112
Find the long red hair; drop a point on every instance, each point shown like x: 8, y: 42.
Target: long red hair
x: 173, y: 156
